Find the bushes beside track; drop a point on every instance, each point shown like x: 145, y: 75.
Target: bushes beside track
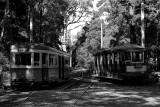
x: 80, y: 73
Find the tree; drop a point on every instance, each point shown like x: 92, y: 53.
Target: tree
x: 76, y: 13
x: 89, y: 42
x: 81, y: 38
x: 14, y: 24
x: 51, y: 22
x: 124, y: 26
x: 47, y: 14
x: 126, y: 14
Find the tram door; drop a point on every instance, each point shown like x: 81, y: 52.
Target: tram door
x: 61, y: 67
x: 44, y: 68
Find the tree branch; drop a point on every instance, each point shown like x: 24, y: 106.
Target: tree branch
x: 75, y: 27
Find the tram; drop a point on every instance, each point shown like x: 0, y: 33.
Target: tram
x: 126, y: 62
x: 36, y: 64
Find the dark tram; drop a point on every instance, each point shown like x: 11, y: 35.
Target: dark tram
x: 127, y: 62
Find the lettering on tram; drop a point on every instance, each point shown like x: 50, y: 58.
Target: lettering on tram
x: 37, y: 64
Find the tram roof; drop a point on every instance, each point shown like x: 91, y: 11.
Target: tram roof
x: 127, y: 47
x: 106, y: 50
x: 33, y: 46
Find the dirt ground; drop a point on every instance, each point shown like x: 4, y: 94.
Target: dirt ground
x: 99, y: 94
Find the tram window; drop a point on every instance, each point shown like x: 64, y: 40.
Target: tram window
x: 66, y: 62
x: 115, y: 57
x: 23, y: 59
x: 52, y: 60
x: 137, y: 56
x: 55, y: 60
x: 127, y: 56
x: 44, y: 58
x: 36, y: 59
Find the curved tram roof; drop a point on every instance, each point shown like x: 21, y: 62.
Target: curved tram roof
x: 126, y: 47
x: 33, y: 47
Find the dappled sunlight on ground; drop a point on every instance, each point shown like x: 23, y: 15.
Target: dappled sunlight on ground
x: 97, y: 95
x: 102, y: 96
x: 10, y: 99
x: 134, y: 96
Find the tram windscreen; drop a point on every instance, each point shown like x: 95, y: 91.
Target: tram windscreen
x: 137, y: 56
x: 23, y: 59
x: 128, y: 56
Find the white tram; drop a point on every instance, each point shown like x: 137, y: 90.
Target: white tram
x: 37, y: 64
x: 122, y: 62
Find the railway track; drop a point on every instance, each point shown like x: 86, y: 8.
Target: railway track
x: 60, y: 88
x: 85, y: 90
x: 76, y: 93
x: 31, y: 93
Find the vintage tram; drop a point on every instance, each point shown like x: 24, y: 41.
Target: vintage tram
x: 126, y: 62
x: 36, y: 64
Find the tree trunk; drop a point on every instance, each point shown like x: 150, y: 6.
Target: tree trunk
x: 31, y: 25
x: 5, y: 18
x: 132, y: 35
x: 1, y: 75
x: 142, y: 26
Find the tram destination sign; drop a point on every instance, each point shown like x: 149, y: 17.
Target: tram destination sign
x: 22, y: 49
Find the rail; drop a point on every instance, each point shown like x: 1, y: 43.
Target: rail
x: 83, y: 93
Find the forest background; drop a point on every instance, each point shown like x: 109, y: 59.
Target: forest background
x: 48, y: 21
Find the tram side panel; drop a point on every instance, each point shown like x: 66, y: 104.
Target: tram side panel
x: 63, y: 67
x: 45, y: 77
x: 60, y: 67
x: 122, y: 68
x: 99, y: 65
x: 37, y: 67
x: 104, y: 65
x: 66, y: 68
x: 53, y: 67
x: 95, y: 65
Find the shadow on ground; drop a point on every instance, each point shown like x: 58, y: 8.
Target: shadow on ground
x: 100, y: 94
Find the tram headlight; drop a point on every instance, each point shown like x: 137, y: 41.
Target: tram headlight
x: 14, y: 75
x: 29, y: 74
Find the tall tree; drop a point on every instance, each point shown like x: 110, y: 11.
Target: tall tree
x: 50, y: 21
x: 6, y: 11
x: 15, y: 24
x: 126, y: 14
x: 81, y: 38
x: 89, y: 43
x: 25, y: 15
x: 77, y: 12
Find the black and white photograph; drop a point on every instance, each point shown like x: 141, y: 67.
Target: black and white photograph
x: 79, y: 53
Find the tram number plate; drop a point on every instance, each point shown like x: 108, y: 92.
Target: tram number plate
x: 138, y: 65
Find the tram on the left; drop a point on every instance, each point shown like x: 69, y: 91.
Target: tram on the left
x: 36, y: 64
